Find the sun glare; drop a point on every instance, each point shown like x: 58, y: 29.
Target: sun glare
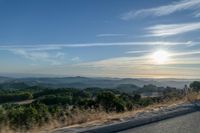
x: 160, y: 57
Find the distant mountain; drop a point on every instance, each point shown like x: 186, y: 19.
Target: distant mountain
x: 13, y: 85
x: 4, y: 79
x: 150, y: 88
x: 84, y: 82
x: 128, y: 88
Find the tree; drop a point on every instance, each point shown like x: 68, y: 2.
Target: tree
x: 110, y: 102
x: 195, y: 86
x: 2, y: 115
x: 137, y: 97
x: 54, y: 99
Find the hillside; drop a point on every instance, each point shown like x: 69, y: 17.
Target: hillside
x: 85, y: 82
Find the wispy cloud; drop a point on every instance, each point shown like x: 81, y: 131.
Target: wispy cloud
x: 50, y: 53
x: 197, y: 14
x: 172, y: 29
x: 177, y: 58
x: 186, y: 53
x: 193, y: 5
x: 46, y: 47
x: 35, y: 47
x: 39, y: 56
x: 140, y: 66
x: 76, y: 59
x: 137, y: 52
x: 111, y: 35
x: 130, y: 67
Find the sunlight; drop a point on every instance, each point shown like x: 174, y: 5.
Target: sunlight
x: 160, y: 57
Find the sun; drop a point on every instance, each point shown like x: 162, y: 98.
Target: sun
x: 160, y: 57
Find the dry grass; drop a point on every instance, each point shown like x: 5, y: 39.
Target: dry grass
x: 89, y: 119
x: 5, y: 129
x: 193, y: 96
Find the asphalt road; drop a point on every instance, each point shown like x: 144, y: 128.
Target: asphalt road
x: 189, y: 123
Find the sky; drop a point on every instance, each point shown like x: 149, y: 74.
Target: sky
x: 101, y: 38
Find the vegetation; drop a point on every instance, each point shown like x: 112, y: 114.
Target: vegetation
x: 15, y: 97
x: 66, y: 103
x: 195, y: 86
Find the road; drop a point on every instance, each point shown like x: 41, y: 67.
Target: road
x: 189, y: 123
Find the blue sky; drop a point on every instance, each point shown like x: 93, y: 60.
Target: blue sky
x: 100, y: 38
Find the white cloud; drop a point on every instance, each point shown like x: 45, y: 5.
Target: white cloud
x: 110, y: 35
x: 39, y: 56
x: 137, y: 51
x: 59, y: 55
x: 193, y: 5
x: 117, y: 62
x: 172, y: 29
x: 47, y: 47
x: 76, y: 59
x: 187, y: 53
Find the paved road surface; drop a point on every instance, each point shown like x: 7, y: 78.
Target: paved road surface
x: 189, y: 123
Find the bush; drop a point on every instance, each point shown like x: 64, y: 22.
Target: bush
x: 87, y: 104
x: 145, y: 102
x: 13, y: 97
x: 195, y: 86
x: 2, y: 115
x: 110, y: 102
x: 23, y: 117
x: 53, y: 100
